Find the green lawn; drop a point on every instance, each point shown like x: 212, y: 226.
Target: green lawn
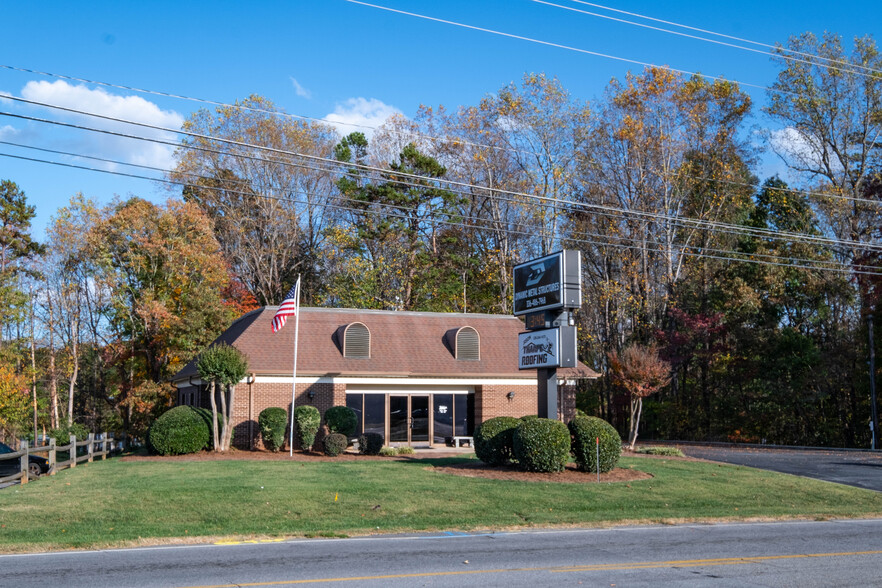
x: 117, y: 503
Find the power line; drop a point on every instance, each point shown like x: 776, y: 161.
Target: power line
x: 683, y: 221
x: 733, y: 38
x: 431, y: 138
x: 805, y: 265
x: 566, y: 47
x: 475, y: 219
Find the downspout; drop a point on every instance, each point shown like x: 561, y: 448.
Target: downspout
x: 251, y: 411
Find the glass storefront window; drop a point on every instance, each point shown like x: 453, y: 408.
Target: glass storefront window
x: 461, y: 414
x: 375, y: 413
x: 442, y: 412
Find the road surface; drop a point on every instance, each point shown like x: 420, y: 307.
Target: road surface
x: 804, y: 554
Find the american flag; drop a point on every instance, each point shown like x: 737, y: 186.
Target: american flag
x: 288, y: 307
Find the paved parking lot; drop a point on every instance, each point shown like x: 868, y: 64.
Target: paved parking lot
x: 854, y: 468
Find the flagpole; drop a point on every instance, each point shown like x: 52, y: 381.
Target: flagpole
x: 294, y: 374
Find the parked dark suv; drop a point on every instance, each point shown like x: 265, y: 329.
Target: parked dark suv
x: 36, y: 465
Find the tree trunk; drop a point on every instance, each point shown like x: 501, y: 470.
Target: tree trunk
x: 226, y: 421
x: 33, y: 366
x: 74, y: 343
x: 214, y: 416
x: 228, y: 435
x: 636, y: 410
x: 53, y: 376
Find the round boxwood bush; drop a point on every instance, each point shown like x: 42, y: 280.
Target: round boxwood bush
x: 370, y: 444
x: 178, y: 431
x: 272, y: 422
x: 335, y: 444
x: 494, y: 440
x: 585, y: 431
x: 308, y: 420
x: 542, y: 445
x: 341, y: 419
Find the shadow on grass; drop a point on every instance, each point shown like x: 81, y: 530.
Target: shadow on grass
x: 437, y: 461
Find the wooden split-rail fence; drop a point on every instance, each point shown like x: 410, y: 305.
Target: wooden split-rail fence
x: 97, y: 446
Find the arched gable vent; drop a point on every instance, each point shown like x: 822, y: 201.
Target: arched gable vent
x: 357, y: 341
x: 468, y: 344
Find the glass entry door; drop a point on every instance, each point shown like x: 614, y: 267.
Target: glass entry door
x: 408, y: 418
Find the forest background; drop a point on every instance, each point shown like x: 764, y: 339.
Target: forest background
x: 757, y: 294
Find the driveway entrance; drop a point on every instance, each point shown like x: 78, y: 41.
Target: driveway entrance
x: 853, y: 468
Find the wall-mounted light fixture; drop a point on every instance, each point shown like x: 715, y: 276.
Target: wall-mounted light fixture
x: 311, y: 394
x: 510, y: 395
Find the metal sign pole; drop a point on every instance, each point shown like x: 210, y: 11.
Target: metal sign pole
x: 547, y: 380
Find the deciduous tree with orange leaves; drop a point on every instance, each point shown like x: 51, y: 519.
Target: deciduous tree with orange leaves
x: 639, y: 370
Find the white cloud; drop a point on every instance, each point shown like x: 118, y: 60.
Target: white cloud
x: 300, y: 90
x: 98, y: 101
x: 8, y: 132
x: 796, y: 146
x: 357, y: 113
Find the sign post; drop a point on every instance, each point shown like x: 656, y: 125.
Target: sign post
x: 546, y: 291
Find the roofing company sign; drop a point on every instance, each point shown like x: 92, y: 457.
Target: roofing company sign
x: 538, y: 349
x: 548, y: 283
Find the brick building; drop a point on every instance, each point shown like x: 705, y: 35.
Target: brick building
x: 418, y: 378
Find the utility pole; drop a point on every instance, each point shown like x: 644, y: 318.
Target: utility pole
x: 875, y: 422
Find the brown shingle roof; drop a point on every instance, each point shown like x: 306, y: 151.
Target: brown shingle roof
x: 418, y: 344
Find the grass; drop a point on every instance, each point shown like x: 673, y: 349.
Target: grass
x: 113, y: 503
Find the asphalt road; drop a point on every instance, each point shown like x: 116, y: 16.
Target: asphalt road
x: 855, y: 468
x: 831, y: 553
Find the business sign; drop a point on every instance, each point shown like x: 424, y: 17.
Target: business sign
x: 548, y: 283
x: 538, y: 349
x: 547, y: 349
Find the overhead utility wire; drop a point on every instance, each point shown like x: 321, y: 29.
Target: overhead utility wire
x: 696, y: 37
x: 842, y: 269
x: 249, y: 108
x: 684, y: 221
x: 431, y: 138
x: 739, y: 39
x: 475, y: 219
x: 567, y: 47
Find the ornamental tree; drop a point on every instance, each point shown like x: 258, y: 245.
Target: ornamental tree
x: 639, y: 370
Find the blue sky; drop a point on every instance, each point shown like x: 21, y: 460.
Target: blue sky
x: 332, y: 57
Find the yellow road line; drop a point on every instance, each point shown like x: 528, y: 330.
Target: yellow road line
x: 686, y: 563
x: 709, y: 562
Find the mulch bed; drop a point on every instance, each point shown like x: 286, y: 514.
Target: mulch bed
x: 470, y: 469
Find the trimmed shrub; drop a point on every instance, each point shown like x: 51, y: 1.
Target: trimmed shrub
x: 406, y: 450
x: 178, y: 431
x: 341, y: 419
x: 335, y: 444
x: 308, y: 420
x: 494, y: 440
x: 272, y: 422
x: 585, y: 430
x: 389, y: 451
x: 542, y: 445
x: 370, y: 444
x: 205, y: 415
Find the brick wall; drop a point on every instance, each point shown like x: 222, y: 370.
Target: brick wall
x: 490, y: 401
x: 493, y: 401
x: 253, y: 398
